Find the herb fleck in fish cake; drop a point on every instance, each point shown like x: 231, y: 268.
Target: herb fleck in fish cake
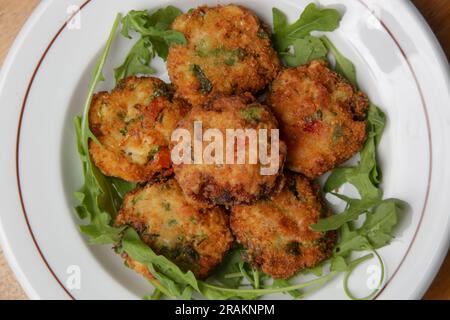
x: 276, y: 232
x: 228, y: 184
x: 228, y: 52
x: 322, y: 117
x: 195, y: 239
x: 133, y: 124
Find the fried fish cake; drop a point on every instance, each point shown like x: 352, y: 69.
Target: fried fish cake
x: 276, y: 232
x: 228, y: 51
x: 133, y: 124
x: 193, y: 238
x: 230, y: 179
x: 321, y: 117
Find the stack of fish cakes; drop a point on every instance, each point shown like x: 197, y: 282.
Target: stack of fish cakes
x: 192, y: 213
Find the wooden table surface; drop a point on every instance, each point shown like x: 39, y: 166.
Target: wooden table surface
x: 14, y: 13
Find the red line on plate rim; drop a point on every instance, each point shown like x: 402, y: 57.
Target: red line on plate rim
x: 59, y: 33
x: 18, y: 147
x: 430, y: 146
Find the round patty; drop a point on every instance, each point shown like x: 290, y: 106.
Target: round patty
x: 229, y: 184
x: 276, y: 232
x: 193, y: 238
x: 321, y: 117
x: 228, y: 52
x: 133, y: 123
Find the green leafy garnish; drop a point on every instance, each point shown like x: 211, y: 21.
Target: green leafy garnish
x: 354, y: 210
x: 137, y: 61
x: 352, y: 267
x: 343, y: 65
x: 251, y: 113
x: 153, y: 152
x: 205, y: 85
x: 171, y: 279
x: 173, y: 282
x: 228, y: 272
x: 381, y: 216
x: 155, y: 39
x: 99, y: 197
x: 376, y: 231
x: 294, y: 41
x: 306, y: 49
x: 157, y: 295
x: 156, y: 27
x: 379, y: 224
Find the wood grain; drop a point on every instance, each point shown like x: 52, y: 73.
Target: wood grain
x: 437, y: 14
x: 14, y: 13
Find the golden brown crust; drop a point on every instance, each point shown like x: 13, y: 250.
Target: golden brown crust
x: 133, y: 123
x: 230, y: 46
x: 194, y: 238
x: 276, y: 232
x: 321, y: 117
x: 228, y: 184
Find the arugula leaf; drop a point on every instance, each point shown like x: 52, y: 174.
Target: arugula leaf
x: 280, y: 283
x: 353, y: 265
x: 163, y: 18
x: 343, y: 65
x: 338, y: 264
x: 280, y: 21
x: 99, y: 197
x: 187, y: 294
x: 137, y: 61
x: 228, y: 272
x: 318, y: 270
x: 312, y: 19
x: 150, y: 24
x: 155, y: 38
x: 360, y: 176
x: 156, y: 295
x: 306, y: 49
x: 378, y: 226
x: 155, y: 27
x: 170, y: 276
x: 121, y: 187
x: 215, y: 292
x: 134, y: 17
x: 377, y: 121
x: 356, y: 208
x: 99, y: 230
x: 354, y: 242
x: 297, y: 35
x: 252, y: 275
x: 375, y: 233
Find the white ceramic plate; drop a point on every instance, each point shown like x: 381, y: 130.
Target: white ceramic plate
x: 43, y: 85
